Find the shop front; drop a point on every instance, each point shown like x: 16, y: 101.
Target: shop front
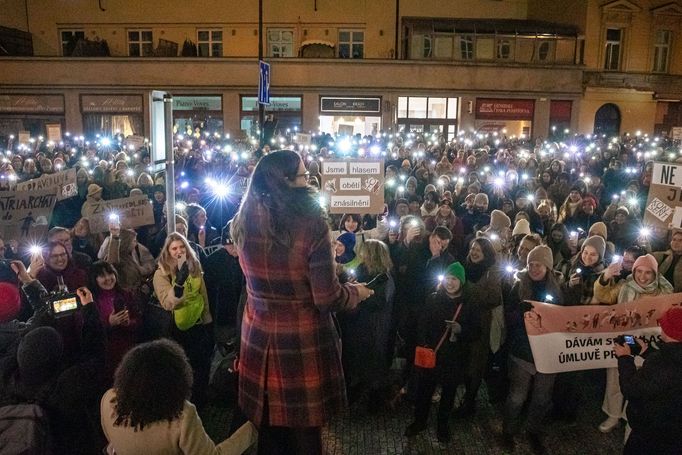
x: 350, y: 115
x: 204, y: 112
x: 112, y: 114
x: 428, y: 114
x: 31, y: 115
x: 508, y: 117
x: 283, y: 113
x: 560, y: 116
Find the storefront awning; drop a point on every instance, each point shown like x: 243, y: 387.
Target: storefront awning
x: 317, y: 48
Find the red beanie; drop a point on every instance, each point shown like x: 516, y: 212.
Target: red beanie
x: 647, y: 261
x: 10, y: 302
x: 671, y: 323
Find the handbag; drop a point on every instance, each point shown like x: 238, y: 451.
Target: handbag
x: 426, y: 357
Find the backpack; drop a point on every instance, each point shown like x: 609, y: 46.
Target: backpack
x: 24, y: 430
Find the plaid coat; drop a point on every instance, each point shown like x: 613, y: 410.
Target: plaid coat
x: 290, y: 348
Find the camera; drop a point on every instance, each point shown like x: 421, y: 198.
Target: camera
x: 635, y: 348
x: 62, y: 304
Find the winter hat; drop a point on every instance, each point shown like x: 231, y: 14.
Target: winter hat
x: 597, y: 243
x: 457, y: 270
x: 521, y: 227
x: 94, y: 189
x: 348, y: 241
x: 136, y: 192
x: 10, y: 302
x: 481, y: 198
x: 580, y: 189
x: 402, y: 200
x: 624, y: 210
x: 499, y: 220
x: 671, y: 323
x: 39, y: 354
x: 429, y: 187
x: 543, y: 255
x: 591, y: 200
x: 599, y: 229
x: 647, y: 261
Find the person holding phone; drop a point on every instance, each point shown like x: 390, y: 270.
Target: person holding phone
x: 290, y: 374
x: 180, y: 288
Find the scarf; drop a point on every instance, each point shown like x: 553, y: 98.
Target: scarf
x: 474, y: 272
x: 632, y: 291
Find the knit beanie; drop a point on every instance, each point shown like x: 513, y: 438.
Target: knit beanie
x: 647, y: 261
x: 543, y: 255
x: 671, y: 323
x: 348, y: 241
x: 597, y: 243
x: 10, y: 302
x: 457, y: 270
x: 598, y: 228
x: 481, y: 198
x: 521, y: 227
x: 624, y: 210
x: 499, y: 220
x: 39, y: 354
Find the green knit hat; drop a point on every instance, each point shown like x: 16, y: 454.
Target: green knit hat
x: 457, y: 270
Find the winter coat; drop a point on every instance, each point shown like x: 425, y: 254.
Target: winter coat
x: 133, y: 262
x: 654, y: 395
x: 224, y: 284
x: 379, y: 233
x: 632, y: 291
x: 289, y: 345
x: 582, y: 293
x: 665, y: 260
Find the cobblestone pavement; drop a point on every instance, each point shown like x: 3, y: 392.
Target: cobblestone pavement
x: 357, y: 432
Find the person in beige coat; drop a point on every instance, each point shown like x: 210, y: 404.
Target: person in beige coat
x: 669, y: 264
x: 147, y: 411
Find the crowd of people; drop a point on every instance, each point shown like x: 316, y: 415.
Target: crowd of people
x: 323, y: 309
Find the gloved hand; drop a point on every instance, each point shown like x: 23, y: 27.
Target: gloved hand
x: 182, y: 275
x: 456, y: 328
x: 526, y: 306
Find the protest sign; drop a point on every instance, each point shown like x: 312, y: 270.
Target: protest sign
x: 25, y: 215
x: 582, y: 337
x: 353, y: 186
x: 63, y: 184
x: 664, y: 203
x: 133, y: 211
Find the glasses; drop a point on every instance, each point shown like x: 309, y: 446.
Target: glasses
x: 59, y: 256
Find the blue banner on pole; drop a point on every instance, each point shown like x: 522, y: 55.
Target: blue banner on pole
x: 264, y: 83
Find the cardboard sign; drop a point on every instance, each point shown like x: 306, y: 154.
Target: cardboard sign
x: 353, y: 186
x: 25, y: 215
x: 664, y: 203
x: 582, y: 337
x: 63, y: 184
x: 134, y: 211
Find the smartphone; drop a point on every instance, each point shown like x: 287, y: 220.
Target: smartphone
x: 63, y: 304
x: 630, y: 340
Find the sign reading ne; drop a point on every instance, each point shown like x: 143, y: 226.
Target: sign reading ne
x: 25, y: 215
x: 664, y: 203
x: 353, y: 186
x: 63, y: 184
x: 133, y: 211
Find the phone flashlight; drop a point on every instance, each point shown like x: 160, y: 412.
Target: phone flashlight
x: 615, y: 259
x: 549, y: 298
x: 36, y: 250
x: 578, y: 270
x: 441, y: 278
x: 509, y: 269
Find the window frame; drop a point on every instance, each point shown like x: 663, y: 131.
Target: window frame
x: 210, y: 42
x: 73, y: 32
x: 351, y: 43
x: 467, y: 42
x: 505, y: 42
x: 140, y: 42
x: 280, y: 42
x: 662, y: 46
x: 608, y: 50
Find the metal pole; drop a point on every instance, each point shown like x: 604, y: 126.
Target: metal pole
x: 261, y: 107
x: 170, y: 162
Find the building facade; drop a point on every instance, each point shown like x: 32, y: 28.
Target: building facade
x: 521, y: 67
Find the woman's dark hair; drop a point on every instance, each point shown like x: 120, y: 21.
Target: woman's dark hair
x: 354, y: 216
x: 100, y: 268
x: 271, y: 198
x: 152, y: 383
x: 489, y: 255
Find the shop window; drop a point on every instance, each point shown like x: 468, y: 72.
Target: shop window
x: 614, y: 39
x: 69, y: 38
x: 437, y: 108
x: 402, y: 106
x: 466, y: 47
x: 140, y: 43
x: 351, y: 44
x: 280, y: 42
x: 452, y: 107
x: 662, y: 51
x: 417, y: 107
x: 210, y: 43
x: 504, y: 49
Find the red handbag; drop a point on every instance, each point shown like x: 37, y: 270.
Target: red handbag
x: 426, y: 357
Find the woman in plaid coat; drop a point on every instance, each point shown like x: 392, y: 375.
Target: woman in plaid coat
x: 290, y: 375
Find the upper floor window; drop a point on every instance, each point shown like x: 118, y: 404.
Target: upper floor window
x: 504, y: 49
x: 543, y: 50
x: 69, y: 39
x: 662, y: 51
x: 210, y: 43
x: 140, y: 43
x: 614, y: 44
x: 466, y: 47
x: 351, y: 44
x: 280, y: 42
